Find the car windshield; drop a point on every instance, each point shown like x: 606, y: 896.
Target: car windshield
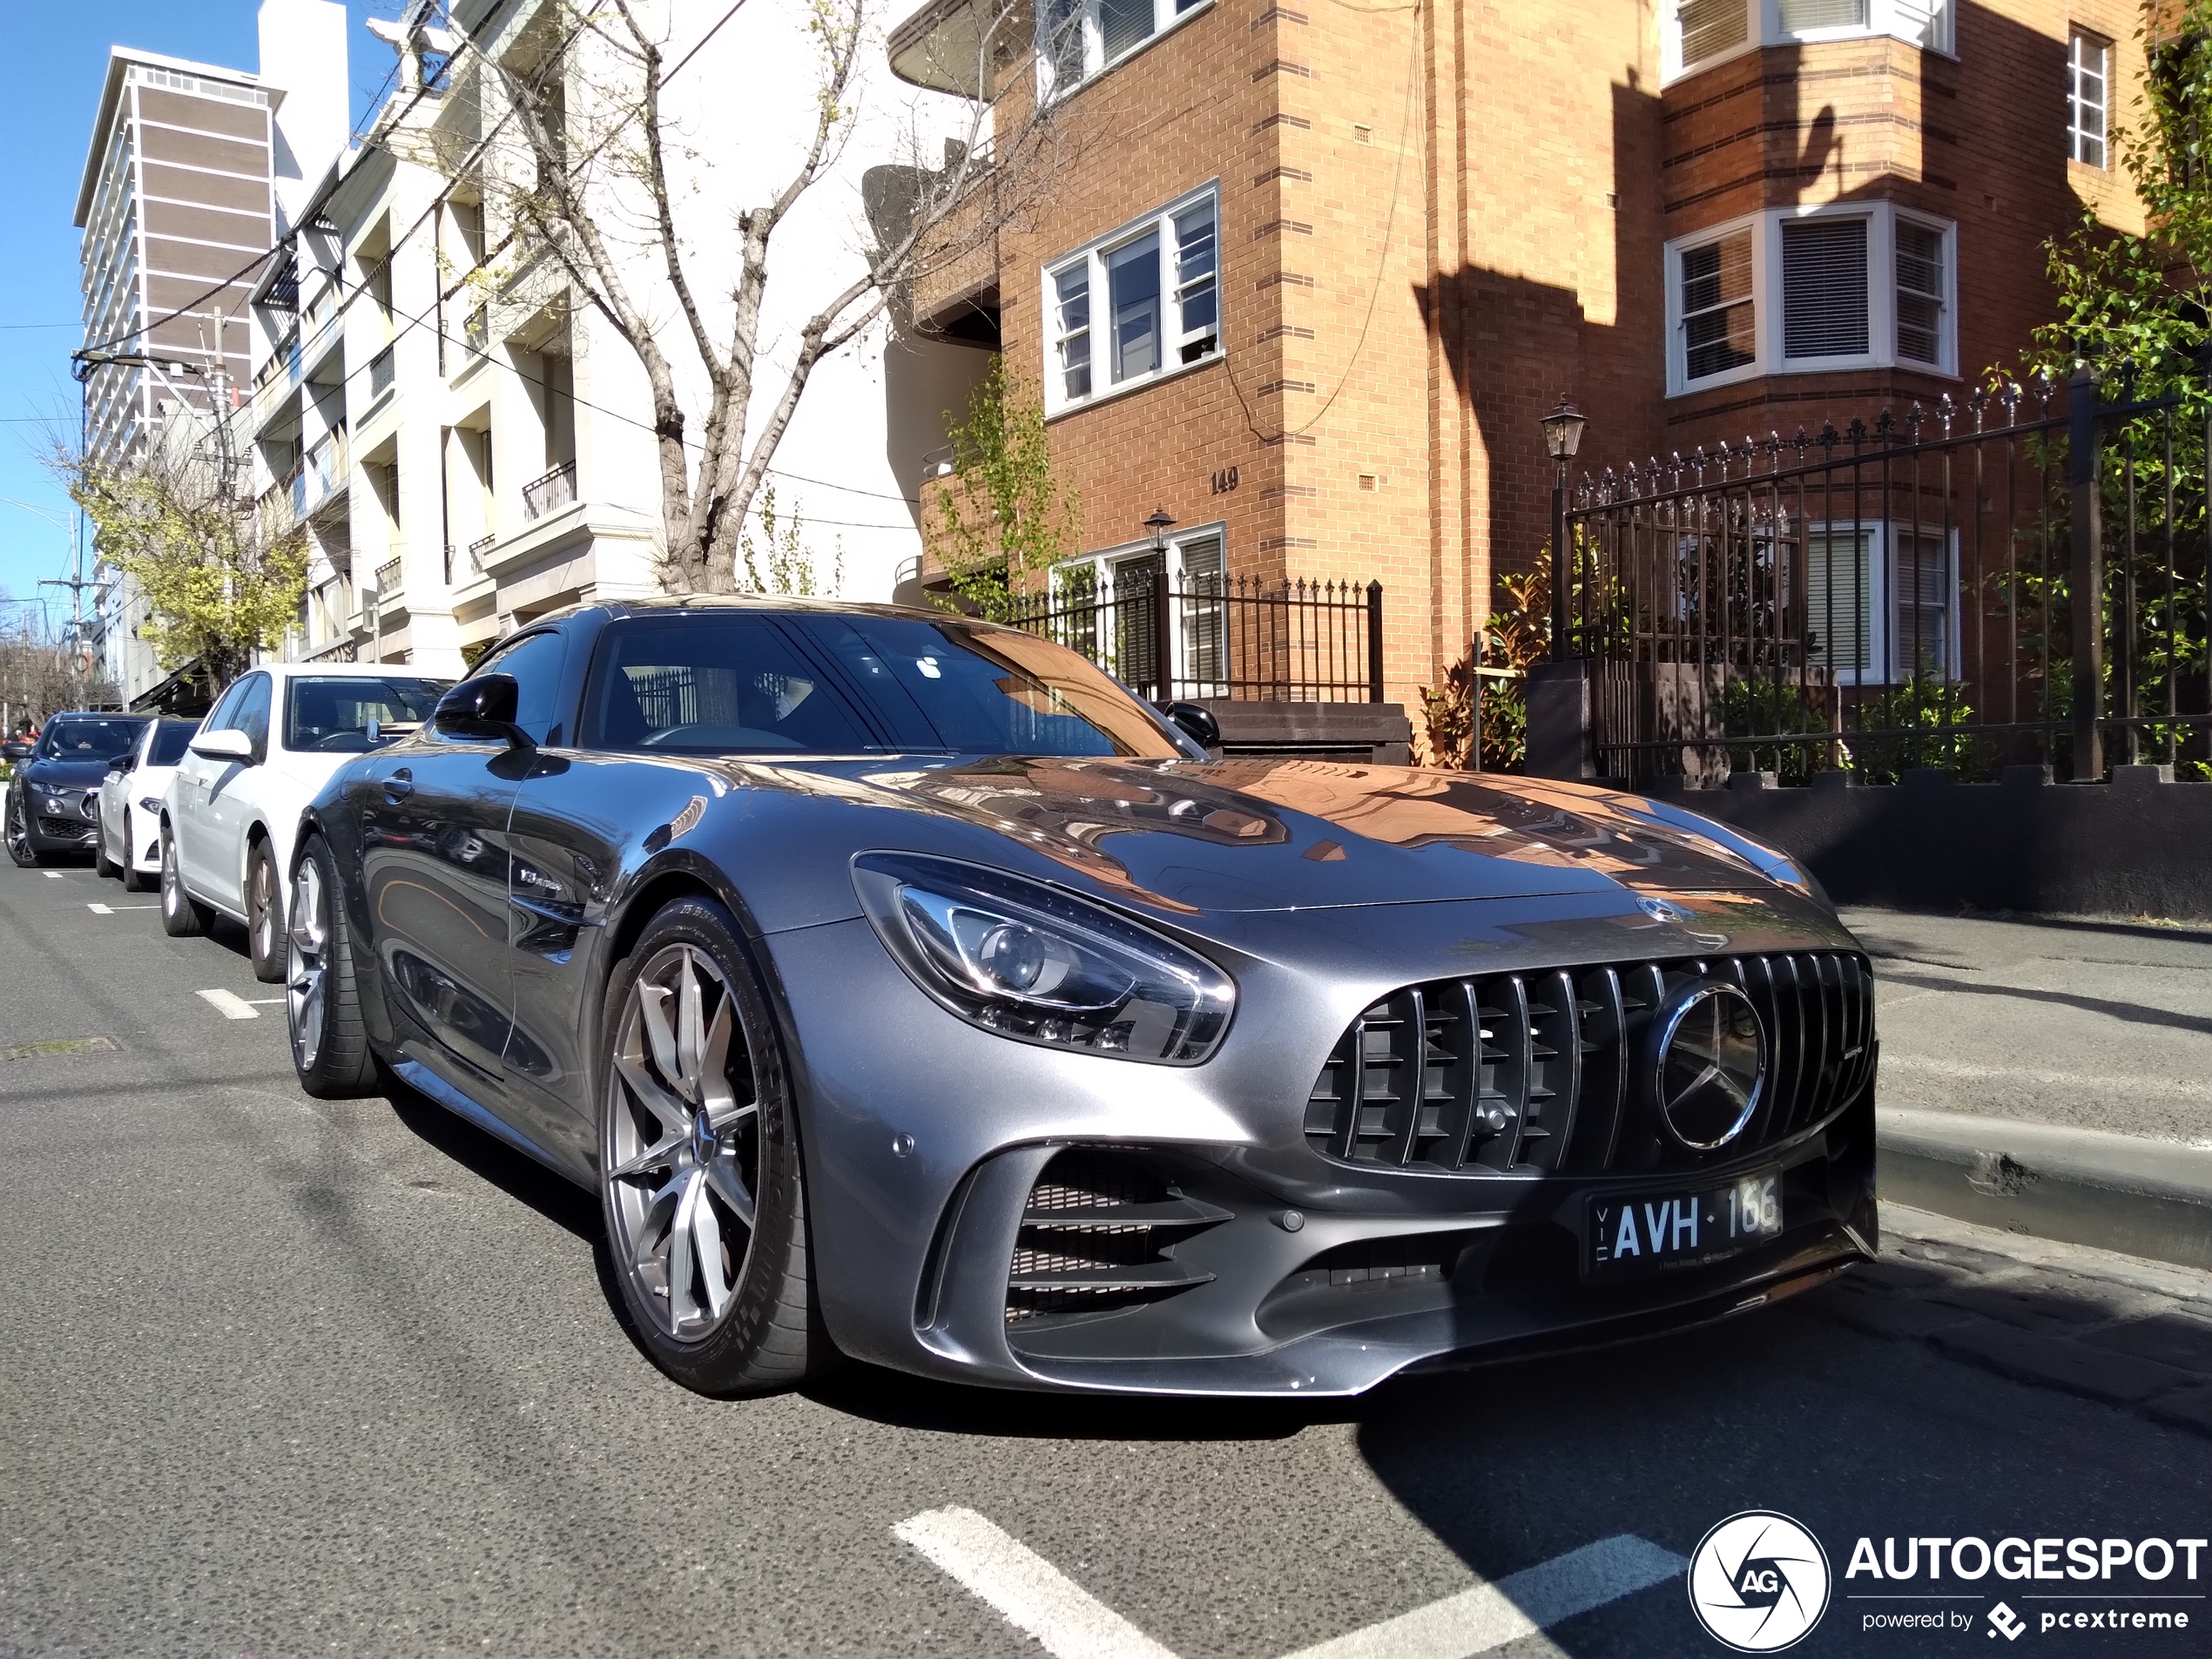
x: 730, y: 683
x: 84, y: 738
x: 332, y: 713
x: 169, y: 743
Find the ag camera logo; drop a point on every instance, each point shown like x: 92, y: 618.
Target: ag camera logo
x: 1759, y: 1581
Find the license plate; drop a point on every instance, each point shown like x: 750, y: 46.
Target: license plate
x: 1642, y: 1230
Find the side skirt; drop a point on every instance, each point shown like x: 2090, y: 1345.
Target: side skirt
x: 423, y: 1081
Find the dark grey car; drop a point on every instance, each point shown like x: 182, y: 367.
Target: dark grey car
x: 906, y: 989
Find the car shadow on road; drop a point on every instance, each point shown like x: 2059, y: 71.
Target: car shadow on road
x: 491, y: 1160
x: 898, y: 1400
x: 2132, y: 1013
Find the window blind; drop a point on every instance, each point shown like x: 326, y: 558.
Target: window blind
x: 1836, y: 604
x: 1708, y: 27
x: 1802, y: 16
x: 1823, y: 288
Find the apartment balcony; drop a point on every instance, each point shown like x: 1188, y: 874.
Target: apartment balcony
x: 380, y: 374
x: 551, y: 492
x: 389, y: 590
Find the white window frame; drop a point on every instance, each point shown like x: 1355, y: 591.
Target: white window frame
x: 2077, y: 38
x: 1104, y: 564
x: 1166, y: 19
x: 1173, y: 336
x: 1884, y: 639
x: 1767, y: 298
x: 1925, y: 24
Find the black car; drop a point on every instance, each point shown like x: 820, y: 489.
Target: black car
x: 53, y: 801
x: 904, y: 987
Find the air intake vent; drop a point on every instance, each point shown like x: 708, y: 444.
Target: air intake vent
x: 1098, y: 1234
x: 1541, y: 1072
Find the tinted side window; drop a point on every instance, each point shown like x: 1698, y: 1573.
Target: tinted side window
x: 169, y: 743
x: 218, y: 718
x: 253, y: 715
x: 535, y: 660
x: 714, y: 684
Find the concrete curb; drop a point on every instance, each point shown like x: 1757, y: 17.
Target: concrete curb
x: 2119, y: 1192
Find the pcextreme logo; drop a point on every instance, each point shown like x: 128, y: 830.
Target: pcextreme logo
x: 1759, y: 1581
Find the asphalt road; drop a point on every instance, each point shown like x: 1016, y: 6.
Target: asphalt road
x: 2094, y: 1024
x: 279, y: 1375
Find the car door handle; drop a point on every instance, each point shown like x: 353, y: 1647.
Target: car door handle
x: 399, y: 785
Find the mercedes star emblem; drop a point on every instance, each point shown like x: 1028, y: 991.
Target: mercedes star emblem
x: 1711, y: 1065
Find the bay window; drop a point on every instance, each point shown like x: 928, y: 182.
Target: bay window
x: 1882, y: 602
x: 1159, y: 282
x: 1804, y: 290
x: 1697, y: 34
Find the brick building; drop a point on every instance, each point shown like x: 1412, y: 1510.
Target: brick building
x: 1317, y: 268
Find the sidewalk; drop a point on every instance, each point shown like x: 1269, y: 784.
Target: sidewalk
x: 2050, y: 1076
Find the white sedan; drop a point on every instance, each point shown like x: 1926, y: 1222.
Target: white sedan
x: 264, y: 751
x: 129, y: 836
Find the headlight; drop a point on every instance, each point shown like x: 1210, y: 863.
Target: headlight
x: 150, y: 804
x: 56, y: 804
x: 1030, y: 962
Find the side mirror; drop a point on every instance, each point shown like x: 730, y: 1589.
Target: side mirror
x: 1196, y: 721
x: 483, y: 707
x: 124, y: 762
x: 229, y: 744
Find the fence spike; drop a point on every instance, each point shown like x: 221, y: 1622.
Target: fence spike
x: 2046, y: 386
x: 1885, y: 427
x: 1978, y: 402
x: 1946, y: 411
x: 1801, y: 443
x: 1857, y: 433
x: 1915, y: 418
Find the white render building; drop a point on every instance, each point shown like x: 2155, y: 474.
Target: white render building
x: 467, y: 439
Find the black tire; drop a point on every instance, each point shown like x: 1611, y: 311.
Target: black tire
x: 265, y: 923
x: 329, y: 1043
x: 182, y: 915
x: 102, y: 865
x: 769, y: 1334
x: 18, y: 833
x: 134, y: 879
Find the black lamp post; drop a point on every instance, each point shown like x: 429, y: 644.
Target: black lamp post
x: 1563, y: 437
x: 1163, y: 622
x: 1159, y: 524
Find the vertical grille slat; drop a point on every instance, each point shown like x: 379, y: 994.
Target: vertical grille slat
x: 1544, y: 1073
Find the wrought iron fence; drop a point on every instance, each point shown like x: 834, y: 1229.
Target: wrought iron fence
x: 549, y: 490
x: 1239, y: 638
x: 2020, y: 581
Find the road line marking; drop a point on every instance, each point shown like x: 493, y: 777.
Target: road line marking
x: 53, y: 875
x: 263, y: 1001
x: 1033, y: 1595
x: 230, y: 1007
x: 1489, y: 1615
x: 100, y: 909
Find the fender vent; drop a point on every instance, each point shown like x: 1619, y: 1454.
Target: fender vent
x: 1098, y: 1234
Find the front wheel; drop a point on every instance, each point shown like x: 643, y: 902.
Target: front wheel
x: 102, y: 865
x: 699, y: 1173
x: 182, y: 915
x: 322, y: 998
x: 134, y: 879
x: 18, y: 832
x: 263, y: 923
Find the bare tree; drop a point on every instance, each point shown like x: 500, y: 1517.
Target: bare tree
x: 573, y: 141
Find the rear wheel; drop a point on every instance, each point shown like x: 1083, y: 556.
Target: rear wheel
x: 264, y: 925
x: 134, y: 879
x: 18, y: 832
x: 182, y: 915
x: 321, y: 999
x: 700, y: 1179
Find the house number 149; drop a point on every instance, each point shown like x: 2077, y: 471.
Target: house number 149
x: 1225, y: 480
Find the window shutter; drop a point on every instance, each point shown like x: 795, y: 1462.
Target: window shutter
x: 1800, y: 17
x: 1711, y: 27
x: 1824, y: 288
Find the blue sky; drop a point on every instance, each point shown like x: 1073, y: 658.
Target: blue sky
x: 60, y: 53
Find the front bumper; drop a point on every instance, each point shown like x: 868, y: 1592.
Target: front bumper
x: 926, y: 1139
x: 73, y: 829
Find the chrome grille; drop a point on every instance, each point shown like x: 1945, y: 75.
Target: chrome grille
x: 1541, y: 1072
x: 1098, y: 1233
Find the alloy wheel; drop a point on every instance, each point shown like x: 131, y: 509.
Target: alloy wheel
x: 172, y: 888
x: 306, y: 962
x: 18, y: 833
x: 264, y: 910
x: 683, y: 1148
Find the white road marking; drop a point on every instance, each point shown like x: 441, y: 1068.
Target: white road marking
x: 230, y: 1007
x: 1035, y: 1597
x: 1032, y: 1594
x: 1520, y: 1604
x: 53, y: 875
x: 264, y: 1001
x: 100, y: 909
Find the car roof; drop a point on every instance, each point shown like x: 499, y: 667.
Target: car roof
x: 811, y: 605
x: 344, y: 670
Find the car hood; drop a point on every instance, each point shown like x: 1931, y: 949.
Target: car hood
x: 63, y: 774
x: 1279, y: 834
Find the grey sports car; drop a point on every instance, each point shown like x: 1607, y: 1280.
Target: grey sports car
x: 906, y: 989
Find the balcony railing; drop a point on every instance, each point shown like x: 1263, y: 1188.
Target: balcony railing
x: 477, y: 549
x: 555, y: 490
x: 387, y: 580
x: 380, y: 373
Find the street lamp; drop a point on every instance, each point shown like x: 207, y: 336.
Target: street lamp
x: 1159, y: 524
x: 1162, y: 625
x: 1563, y: 437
